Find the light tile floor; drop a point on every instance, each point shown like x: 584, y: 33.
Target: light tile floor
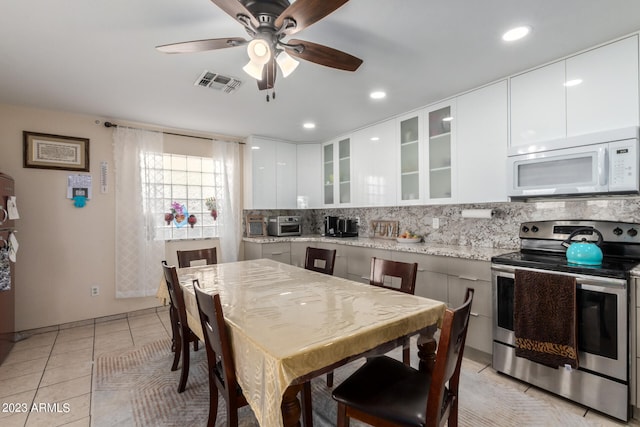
x: 46, y: 379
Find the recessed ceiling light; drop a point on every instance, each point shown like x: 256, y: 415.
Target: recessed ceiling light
x: 574, y: 82
x: 255, y: 147
x: 516, y: 33
x: 309, y: 125
x: 378, y: 94
x: 375, y: 138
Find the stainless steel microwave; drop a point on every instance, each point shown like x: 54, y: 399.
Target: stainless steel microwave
x: 605, y: 163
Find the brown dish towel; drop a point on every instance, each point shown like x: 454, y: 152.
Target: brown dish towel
x: 545, y: 318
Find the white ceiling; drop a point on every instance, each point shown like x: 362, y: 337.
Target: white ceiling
x: 97, y: 57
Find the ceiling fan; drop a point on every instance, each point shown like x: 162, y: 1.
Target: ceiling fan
x: 268, y: 22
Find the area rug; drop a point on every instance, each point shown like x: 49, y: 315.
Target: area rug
x: 137, y: 388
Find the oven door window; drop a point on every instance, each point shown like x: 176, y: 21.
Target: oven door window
x: 597, y: 324
x: 290, y: 228
x: 505, y: 302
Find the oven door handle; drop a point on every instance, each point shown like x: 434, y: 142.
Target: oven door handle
x: 603, y: 282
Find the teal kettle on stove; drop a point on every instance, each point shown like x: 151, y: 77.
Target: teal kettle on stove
x: 584, y: 252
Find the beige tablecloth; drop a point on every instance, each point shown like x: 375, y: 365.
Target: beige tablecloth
x: 286, y: 322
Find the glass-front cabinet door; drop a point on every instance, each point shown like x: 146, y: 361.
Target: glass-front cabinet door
x: 410, y: 153
x: 441, y: 180
x: 327, y: 172
x: 344, y: 150
x: 336, y: 172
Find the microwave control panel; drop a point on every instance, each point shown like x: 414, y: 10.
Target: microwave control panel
x: 623, y: 165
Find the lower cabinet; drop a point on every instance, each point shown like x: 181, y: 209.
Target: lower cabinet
x: 278, y: 251
x: 447, y: 279
x: 359, y: 262
x: 299, y: 250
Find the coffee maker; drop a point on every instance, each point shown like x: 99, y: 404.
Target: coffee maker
x: 340, y: 227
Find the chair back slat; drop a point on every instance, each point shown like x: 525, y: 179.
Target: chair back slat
x: 209, y: 255
x: 407, y: 272
x: 326, y: 258
x: 446, y: 372
x: 219, y: 353
x: 175, y: 291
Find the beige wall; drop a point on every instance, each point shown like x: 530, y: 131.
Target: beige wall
x: 65, y: 250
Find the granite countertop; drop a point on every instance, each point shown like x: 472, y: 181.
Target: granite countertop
x: 466, y: 252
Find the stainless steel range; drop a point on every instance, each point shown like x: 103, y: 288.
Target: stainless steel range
x: 602, y: 304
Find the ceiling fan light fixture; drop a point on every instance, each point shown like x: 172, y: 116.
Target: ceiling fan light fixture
x: 286, y: 63
x: 259, y: 51
x: 254, y: 70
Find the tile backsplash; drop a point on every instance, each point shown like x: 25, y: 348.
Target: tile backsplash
x: 499, y: 231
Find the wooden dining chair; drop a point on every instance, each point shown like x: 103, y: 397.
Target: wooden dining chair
x: 182, y: 335
x: 320, y: 260
x: 222, y: 370
x: 209, y: 255
x: 386, y: 392
x: 406, y: 272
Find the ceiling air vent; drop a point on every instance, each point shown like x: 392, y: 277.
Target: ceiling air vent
x: 219, y: 82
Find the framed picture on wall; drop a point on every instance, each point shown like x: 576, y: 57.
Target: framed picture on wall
x: 46, y: 151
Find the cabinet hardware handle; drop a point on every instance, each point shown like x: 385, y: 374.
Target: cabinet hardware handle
x: 421, y: 269
x: 276, y: 253
x: 473, y: 279
x: 474, y: 314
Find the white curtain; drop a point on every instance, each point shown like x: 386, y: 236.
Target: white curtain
x: 227, y: 155
x: 138, y: 170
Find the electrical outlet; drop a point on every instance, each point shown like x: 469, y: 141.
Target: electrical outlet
x: 436, y: 223
x: 95, y: 291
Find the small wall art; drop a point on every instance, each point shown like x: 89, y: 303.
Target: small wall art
x: 46, y: 151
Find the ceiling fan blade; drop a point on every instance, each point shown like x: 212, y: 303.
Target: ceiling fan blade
x: 234, y: 8
x: 201, y: 45
x: 306, y: 12
x: 268, y: 75
x: 323, y: 55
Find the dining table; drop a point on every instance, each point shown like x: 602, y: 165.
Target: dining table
x: 288, y: 325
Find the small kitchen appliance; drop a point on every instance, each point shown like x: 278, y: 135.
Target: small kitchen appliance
x: 340, y: 227
x: 284, y: 226
x: 603, y: 294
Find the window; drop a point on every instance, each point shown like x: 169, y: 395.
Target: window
x: 185, y: 182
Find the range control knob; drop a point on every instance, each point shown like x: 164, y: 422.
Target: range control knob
x: 534, y: 229
x: 617, y: 231
x: 632, y: 232
x: 525, y: 229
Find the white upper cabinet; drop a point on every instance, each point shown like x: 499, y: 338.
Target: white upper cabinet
x: 270, y: 174
x: 607, y: 94
x: 373, y: 165
x: 309, y: 171
x: 410, y: 159
x: 336, y: 172
x: 286, y: 167
x: 538, y: 105
x: 441, y: 178
x: 482, y: 140
x: 590, y: 92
